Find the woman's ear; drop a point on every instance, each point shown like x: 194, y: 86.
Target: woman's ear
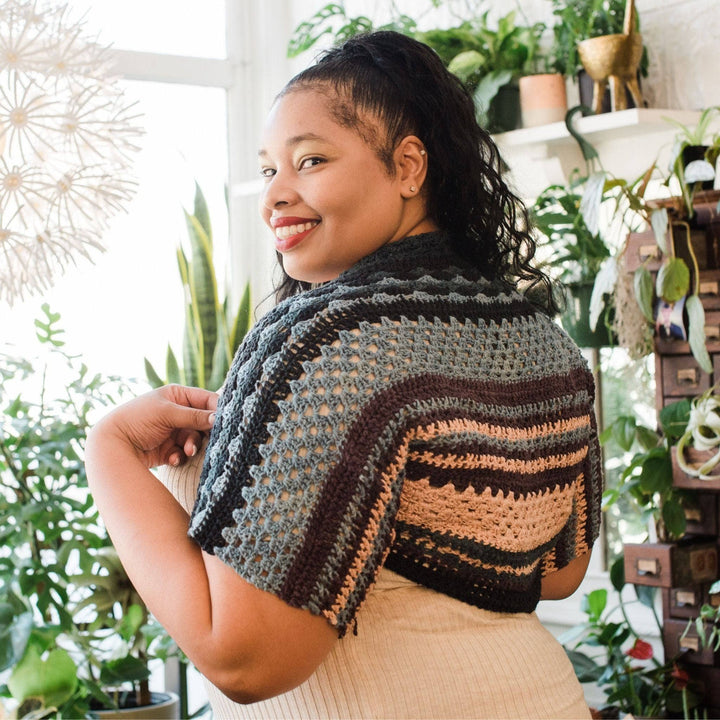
x: 411, y: 162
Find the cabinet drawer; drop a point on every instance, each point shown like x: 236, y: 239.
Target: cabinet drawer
x: 671, y: 565
x: 641, y: 249
x: 679, y: 636
x: 682, y: 376
x: 701, y: 514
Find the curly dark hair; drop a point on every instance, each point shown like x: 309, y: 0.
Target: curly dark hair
x: 402, y: 83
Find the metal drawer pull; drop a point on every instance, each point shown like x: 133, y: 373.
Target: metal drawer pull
x: 712, y: 331
x: 709, y: 287
x: 690, y: 643
x: 648, y: 251
x: 648, y: 567
x: 687, y: 376
x: 685, y: 597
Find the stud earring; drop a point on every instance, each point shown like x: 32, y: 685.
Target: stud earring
x: 422, y: 152
x: 413, y: 188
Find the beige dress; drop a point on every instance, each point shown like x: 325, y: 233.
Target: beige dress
x: 421, y: 654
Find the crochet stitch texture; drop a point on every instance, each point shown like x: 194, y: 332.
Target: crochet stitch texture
x: 409, y: 413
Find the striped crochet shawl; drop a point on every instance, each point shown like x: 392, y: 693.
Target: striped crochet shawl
x: 409, y: 413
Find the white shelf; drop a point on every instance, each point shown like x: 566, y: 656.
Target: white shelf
x: 628, y: 142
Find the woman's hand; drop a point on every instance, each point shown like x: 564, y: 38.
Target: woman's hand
x: 164, y: 426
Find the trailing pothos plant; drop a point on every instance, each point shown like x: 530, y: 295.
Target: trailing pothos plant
x: 675, y: 279
x: 647, y: 479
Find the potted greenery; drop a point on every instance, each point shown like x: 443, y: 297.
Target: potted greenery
x: 74, y: 636
x: 578, y: 20
x: 489, y: 58
x: 694, y: 156
x: 214, y: 328
x: 607, y: 650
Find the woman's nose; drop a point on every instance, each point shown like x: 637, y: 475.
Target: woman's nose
x: 278, y: 191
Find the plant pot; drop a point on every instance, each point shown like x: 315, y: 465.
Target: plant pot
x: 696, y: 152
x: 165, y: 706
x: 585, y: 88
x: 543, y: 99
x: 614, y: 59
x: 504, y: 112
x: 576, y: 318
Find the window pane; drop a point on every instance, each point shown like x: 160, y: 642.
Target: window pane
x: 129, y: 305
x: 178, y: 27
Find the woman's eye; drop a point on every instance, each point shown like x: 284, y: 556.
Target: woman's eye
x: 267, y: 172
x: 310, y: 162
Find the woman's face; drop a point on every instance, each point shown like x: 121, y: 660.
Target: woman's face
x: 328, y: 198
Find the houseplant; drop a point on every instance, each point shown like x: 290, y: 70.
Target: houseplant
x: 647, y: 478
x: 489, y: 58
x: 578, y: 20
x: 213, y: 328
x: 607, y: 650
x: 694, y: 156
x: 73, y: 633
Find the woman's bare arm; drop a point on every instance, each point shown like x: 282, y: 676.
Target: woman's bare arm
x: 247, y: 642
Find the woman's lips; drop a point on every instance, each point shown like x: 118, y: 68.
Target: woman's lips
x: 291, y: 231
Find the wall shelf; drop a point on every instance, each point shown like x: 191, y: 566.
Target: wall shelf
x: 628, y: 142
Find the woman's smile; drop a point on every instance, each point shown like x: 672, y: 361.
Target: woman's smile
x: 290, y: 231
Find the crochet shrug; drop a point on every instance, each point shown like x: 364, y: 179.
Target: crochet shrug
x: 409, y: 413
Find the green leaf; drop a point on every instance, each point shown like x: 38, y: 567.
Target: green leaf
x: 486, y: 91
x: 126, y: 669
x: 643, y: 285
x: 623, y: 431
x: 242, y: 321
x: 673, y: 280
x: 151, y: 374
x: 15, y: 632
x: 132, y: 621
x: 466, y: 63
x: 674, y: 419
x: 617, y: 573
x: 646, y: 594
x: 659, y: 222
x: 595, y: 602
x: 172, y: 369
x: 586, y: 669
x: 673, y: 516
x: 656, y: 473
x: 52, y: 680
x: 696, y: 332
x: 592, y: 200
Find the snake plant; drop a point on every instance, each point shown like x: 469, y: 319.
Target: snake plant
x: 213, y: 328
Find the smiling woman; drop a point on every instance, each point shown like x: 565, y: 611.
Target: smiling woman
x: 328, y: 196
x: 405, y: 450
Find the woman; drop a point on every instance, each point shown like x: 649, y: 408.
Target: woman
x: 405, y: 445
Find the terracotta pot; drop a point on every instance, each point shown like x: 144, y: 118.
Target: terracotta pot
x: 543, y: 99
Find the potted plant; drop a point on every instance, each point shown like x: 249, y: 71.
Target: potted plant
x: 694, y: 156
x: 577, y: 253
x: 580, y: 20
x: 74, y: 636
x: 607, y: 650
x: 489, y: 59
x: 214, y: 328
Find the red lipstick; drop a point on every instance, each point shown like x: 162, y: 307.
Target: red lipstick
x: 285, y: 241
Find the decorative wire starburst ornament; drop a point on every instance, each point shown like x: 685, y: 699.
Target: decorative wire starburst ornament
x: 67, y: 136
